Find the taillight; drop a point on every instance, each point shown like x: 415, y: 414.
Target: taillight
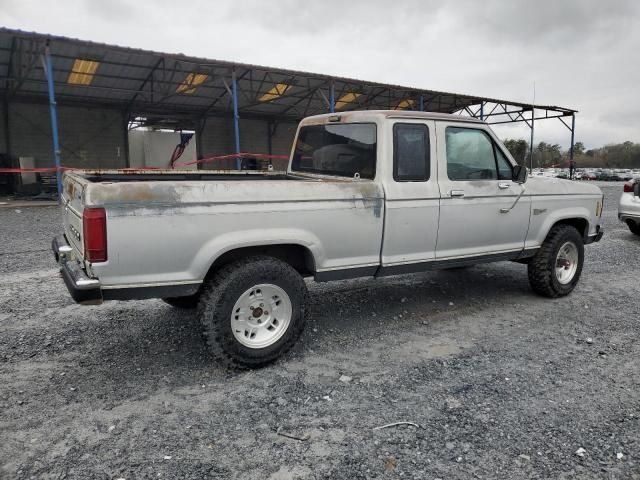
x: 94, y: 229
x: 628, y: 186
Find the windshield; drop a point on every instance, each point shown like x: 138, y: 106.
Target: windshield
x: 341, y: 149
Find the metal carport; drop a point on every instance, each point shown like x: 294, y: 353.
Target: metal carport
x: 183, y: 92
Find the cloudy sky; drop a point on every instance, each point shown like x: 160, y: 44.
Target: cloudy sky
x: 582, y: 54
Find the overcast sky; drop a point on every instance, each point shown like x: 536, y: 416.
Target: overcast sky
x: 582, y: 54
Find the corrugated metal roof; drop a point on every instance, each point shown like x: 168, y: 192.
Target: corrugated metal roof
x: 145, y: 82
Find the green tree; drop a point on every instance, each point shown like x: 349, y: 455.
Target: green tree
x: 519, y: 149
x: 578, y: 149
x: 620, y: 155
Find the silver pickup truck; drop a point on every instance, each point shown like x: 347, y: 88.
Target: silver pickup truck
x: 366, y: 194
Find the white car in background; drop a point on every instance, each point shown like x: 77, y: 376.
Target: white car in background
x: 629, y: 208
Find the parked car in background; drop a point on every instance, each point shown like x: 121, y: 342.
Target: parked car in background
x: 629, y: 206
x: 626, y: 174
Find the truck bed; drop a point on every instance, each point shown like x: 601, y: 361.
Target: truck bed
x: 167, y: 227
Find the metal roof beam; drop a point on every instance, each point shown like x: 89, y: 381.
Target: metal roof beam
x: 523, y: 120
x: 144, y: 83
x: 32, y: 58
x: 10, y: 64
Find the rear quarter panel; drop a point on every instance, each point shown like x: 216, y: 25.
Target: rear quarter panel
x: 171, y: 232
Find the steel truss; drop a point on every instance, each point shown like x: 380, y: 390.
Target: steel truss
x: 501, y: 113
x: 147, y: 88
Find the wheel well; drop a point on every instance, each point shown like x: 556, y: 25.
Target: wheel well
x: 580, y: 224
x: 297, y: 256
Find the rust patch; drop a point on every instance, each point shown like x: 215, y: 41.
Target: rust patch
x: 122, y: 193
x: 71, y: 188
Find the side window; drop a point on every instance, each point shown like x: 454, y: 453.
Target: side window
x: 411, y: 152
x: 470, y: 154
x: 505, y: 170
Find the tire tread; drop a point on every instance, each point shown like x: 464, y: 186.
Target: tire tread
x: 213, y: 320
x: 539, y: 271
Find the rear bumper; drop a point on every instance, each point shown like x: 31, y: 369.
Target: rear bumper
x: 629, y: 208
x: 625, y: 217
x: 82, y: 288
x: 90, y: 291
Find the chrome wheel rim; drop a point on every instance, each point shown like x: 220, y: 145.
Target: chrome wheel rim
x: 261, y: 316
x: 567, y: 262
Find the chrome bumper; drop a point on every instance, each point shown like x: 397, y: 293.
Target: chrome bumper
x: 83, y: 289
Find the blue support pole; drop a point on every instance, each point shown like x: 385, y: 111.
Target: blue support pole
x: 54, y: 120
x: 482, y: 111
x: 332, y: 98
x: 236, y: 117
x: 421, y: 103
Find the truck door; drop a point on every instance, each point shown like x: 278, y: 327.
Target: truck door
x: 477, y: 212
x: 412, y: 197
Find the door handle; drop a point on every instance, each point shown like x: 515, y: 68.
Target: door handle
x: 507, y: 210
x: 456, y: 193
x: 503, y: 185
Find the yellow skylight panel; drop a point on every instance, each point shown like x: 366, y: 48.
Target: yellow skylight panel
x: 277, y: 91
x: 404, y: 104
x: 346, y: 99
x: 190, y: 82
x: 82, y: 72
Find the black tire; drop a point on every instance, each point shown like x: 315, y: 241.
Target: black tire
x: 541, y: 268
x: 189, y: 302
x: 634, y: 227
x: 226, y: 286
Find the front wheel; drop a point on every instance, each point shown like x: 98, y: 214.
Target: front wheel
x: 253, y: 311
x: 555, y: 269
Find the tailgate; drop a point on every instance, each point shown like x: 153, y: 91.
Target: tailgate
x: 72, y: 208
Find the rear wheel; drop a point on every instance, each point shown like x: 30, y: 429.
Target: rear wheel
x: 555, y: 269
x: 253, y: 311
x: 634, y: 227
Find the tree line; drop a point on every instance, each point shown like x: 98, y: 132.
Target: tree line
x: 617, y: 155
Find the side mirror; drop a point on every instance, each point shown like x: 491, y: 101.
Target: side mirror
x: 519, y: 174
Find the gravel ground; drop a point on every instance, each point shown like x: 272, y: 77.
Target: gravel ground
x: 502, y: 383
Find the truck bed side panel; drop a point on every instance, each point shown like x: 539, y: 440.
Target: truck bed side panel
x: 172, y: 233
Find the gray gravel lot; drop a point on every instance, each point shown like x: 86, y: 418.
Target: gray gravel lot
x: 502, y: 383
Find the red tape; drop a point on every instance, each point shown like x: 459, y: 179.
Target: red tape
x: 202, y: 161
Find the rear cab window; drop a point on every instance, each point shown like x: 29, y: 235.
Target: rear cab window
x: 343, y: 150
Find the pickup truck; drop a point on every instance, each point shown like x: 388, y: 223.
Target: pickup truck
x: 365, y: 194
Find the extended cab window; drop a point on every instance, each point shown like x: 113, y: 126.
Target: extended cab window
x: 410, y: 152
x: 336, y: 149
x: 472, y: 155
